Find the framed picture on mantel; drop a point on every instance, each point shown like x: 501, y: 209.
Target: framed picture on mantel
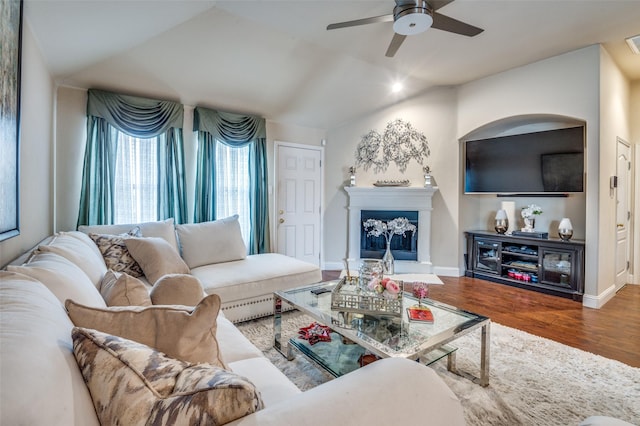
x: 10, y: 64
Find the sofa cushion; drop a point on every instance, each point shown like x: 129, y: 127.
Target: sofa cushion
x: 115, y: 253
x: 187, y: 333
x: 62, y: 277
x: 274, y: 386
x: 177, y: 289
x: 256, y: 275
x: 76, y: 250
x: 211, y: 242
x: 234, y: 345
x: 162, y: 229
x: 133, y: 384
x: 40, y: 383
x: 120, y: 289
x: 156, y: 257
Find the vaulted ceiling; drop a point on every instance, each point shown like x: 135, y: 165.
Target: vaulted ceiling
x: 276, y: 59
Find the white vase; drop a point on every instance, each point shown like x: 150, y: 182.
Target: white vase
x: 529, y: 224
x: 565, y: 229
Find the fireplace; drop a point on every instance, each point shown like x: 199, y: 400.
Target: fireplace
x: 402, y: 247
x: 388, y: 203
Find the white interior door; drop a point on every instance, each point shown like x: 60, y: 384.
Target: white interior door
x: 623, y: 212
x: 298, y: 201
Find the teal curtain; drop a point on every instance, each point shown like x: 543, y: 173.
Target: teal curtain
x: 108, y: 113
x: 234, y: 130
x: 205, y: 198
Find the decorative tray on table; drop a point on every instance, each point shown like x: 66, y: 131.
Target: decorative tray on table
x: 392, y: 183
x: 348, y: 297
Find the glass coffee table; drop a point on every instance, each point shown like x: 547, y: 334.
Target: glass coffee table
x: 379, y: 334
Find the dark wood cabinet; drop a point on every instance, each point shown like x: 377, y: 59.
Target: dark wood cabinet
x: 550, y: 266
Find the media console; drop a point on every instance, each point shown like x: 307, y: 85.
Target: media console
x: 549, y: 266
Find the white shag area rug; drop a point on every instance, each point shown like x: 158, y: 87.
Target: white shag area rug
x: 533, y: 381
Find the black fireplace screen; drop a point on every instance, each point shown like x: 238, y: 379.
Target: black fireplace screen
x: 402, y: 248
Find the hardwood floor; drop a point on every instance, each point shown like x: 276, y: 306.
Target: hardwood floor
x: 612, y: 331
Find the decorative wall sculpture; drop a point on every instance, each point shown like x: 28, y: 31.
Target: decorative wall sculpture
x: 399, y: 143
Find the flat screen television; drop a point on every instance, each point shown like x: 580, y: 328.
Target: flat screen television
x: 546, y: 162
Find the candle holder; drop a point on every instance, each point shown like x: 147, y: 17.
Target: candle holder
x: 565, y: 229
x: 502, y: 222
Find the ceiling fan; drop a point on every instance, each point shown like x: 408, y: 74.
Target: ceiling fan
x: 413, y: 17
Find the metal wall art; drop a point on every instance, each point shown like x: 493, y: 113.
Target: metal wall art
x: 399, y: 143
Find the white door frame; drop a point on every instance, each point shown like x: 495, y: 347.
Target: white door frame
x: 274, y: 232
x: 629, y: 216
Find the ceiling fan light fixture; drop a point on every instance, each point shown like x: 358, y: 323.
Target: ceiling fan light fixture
x: 412, y: 20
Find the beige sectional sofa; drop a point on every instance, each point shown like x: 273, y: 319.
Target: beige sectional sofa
x: 41, y: 381
x: 216, y: 255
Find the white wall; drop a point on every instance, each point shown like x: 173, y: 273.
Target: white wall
x: 434, y: 115
x: 71, y: 133
x: 615, y: 106
x: 565, y: 85
x: 36, y: 118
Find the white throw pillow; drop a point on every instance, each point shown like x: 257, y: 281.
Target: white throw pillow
x: 162, y: 229
x: 79, y: 253
x: 211, y: 242
x: 63, y: 278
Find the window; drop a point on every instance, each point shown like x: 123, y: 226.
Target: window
x: 136, y: 180
x: 232, y: 185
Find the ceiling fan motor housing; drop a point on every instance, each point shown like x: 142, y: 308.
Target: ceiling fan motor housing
x: 412, y: 17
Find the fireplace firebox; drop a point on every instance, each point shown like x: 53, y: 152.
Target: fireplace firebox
x: 402, y: 247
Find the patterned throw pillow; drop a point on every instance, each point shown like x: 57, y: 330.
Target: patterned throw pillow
x: 115, y: 253
x: 133, y: 384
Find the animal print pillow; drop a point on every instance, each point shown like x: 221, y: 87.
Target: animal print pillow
x: 115, y: 253
x: 133, y: 384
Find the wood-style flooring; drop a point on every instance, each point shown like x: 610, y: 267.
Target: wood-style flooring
x: 612, y: 331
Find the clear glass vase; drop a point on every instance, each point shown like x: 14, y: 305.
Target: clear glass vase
x: 370, y: 270
x: 388, y: 260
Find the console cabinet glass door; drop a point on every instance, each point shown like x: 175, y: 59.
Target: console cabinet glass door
x: 558, y: 267
x: 487, y: 256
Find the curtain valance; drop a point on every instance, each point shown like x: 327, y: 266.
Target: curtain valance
x: 138, y: 117
x: 228, y: 127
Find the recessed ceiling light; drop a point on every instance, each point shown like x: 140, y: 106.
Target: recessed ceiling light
x: 397, y: 86
x: 634, y: 44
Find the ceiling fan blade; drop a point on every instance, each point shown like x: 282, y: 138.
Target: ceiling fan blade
x: 396, y: 41
x: 444, y: 23
x: 437, y: 4
x: 364, y: 21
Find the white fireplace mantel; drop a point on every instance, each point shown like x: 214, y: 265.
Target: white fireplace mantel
x: 392, y: 198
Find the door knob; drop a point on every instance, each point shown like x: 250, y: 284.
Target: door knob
x: 620, y: 225
x: 280, y: 211
x: 281, y: 220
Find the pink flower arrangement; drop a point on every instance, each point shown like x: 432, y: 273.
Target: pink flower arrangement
x: 385, y: 287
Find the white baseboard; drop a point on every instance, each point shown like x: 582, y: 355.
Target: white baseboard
x: 332, y: 266
x: 447, y: 271
x: 597, y: 302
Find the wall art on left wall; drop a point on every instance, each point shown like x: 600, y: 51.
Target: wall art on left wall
x: 10, y: 65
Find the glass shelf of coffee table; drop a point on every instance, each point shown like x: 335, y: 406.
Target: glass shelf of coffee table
x: 386, y: 336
